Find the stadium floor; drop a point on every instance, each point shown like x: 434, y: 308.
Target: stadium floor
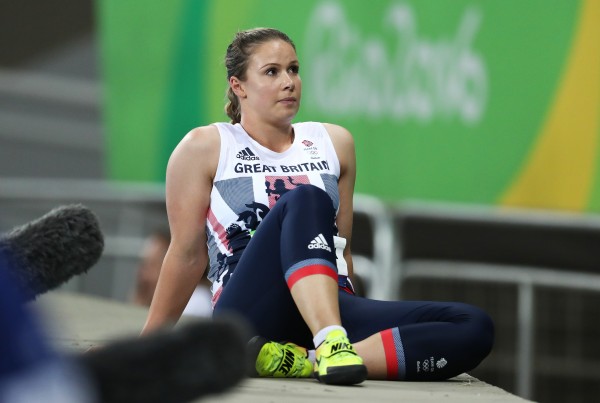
x: 80, y: 321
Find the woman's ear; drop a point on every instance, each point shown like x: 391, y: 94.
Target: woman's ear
x: 237, y: 87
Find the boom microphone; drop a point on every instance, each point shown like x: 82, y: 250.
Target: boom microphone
x: 48, y: 251
x: 177, y: 365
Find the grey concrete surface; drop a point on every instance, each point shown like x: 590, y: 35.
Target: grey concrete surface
x: 78, y: 322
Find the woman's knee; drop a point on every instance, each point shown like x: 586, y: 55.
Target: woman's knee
x: 308, y: 191
x: 481, y: 328
x: 308, y: 195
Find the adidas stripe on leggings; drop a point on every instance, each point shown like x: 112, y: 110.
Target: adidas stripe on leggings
x: 422, y: 340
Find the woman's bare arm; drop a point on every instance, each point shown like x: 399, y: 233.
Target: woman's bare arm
x: 190, y: 173
x: 344, y: 147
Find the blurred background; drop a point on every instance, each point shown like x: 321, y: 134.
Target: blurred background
x: 476, y: 126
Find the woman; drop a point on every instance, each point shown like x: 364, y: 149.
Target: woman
x: 288, y: 272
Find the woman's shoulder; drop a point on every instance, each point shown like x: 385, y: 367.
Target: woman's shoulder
x: 202, y: 139
x: 332, y: 129
x: 337, y: 129
x: 201, y: 133
x: 197, y: 151
x: 338, y: 134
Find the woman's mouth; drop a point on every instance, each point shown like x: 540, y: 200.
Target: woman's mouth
x: 288, y: 100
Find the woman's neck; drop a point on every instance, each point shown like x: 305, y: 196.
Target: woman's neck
x: 274, y: 137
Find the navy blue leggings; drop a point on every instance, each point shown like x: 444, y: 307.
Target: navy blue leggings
x: 431, y: 340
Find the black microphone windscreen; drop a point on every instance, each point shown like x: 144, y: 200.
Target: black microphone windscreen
x: 48, y: 251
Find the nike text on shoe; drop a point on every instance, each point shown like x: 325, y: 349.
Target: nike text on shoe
x: 271, y: 359
x: 337, y: 362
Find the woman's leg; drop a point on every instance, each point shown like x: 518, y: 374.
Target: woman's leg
x: 281, y: 286
x: 285, y: 284
x: 416, y: 340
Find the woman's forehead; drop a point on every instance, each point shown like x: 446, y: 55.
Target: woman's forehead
x: 273, y: 52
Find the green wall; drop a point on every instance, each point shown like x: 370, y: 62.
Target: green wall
x: 488, y: 102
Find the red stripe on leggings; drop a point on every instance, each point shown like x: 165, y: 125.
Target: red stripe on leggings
x: 309, y: 271
x: 389, y: 348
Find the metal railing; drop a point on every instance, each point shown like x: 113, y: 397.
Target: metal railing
x: 127, y: 212
x: 525, y: 278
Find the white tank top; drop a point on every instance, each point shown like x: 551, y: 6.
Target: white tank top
x: 251, y: 178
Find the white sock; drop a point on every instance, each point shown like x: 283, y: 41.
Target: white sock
x: 312, y: 356
x: 322, y: 334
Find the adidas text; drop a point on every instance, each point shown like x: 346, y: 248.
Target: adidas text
x: 319, y: 246
x: 319, y: 243
x: 247, y: 155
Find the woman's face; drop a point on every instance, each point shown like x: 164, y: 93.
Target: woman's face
x: 273, y: 87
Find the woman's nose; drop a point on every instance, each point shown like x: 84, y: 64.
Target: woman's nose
x: 288, y: 82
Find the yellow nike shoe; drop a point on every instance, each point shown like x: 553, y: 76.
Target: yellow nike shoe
x: 278, y: 360
x: 337, y: 362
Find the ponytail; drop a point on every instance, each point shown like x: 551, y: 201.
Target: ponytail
x: 232, y: 109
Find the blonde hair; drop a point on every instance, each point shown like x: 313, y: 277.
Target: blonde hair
x: 236, y: 61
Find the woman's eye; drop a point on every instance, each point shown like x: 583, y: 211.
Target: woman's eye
x: 271, y: 72
x: 294, y: 69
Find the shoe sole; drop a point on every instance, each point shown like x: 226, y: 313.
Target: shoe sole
x: 346, y: 375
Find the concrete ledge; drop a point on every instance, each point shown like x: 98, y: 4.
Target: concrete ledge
x: 78, y: 322
x: 462, y: 389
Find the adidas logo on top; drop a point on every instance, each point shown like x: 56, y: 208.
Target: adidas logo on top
x: 247, y: 155
x: 319, y: 243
